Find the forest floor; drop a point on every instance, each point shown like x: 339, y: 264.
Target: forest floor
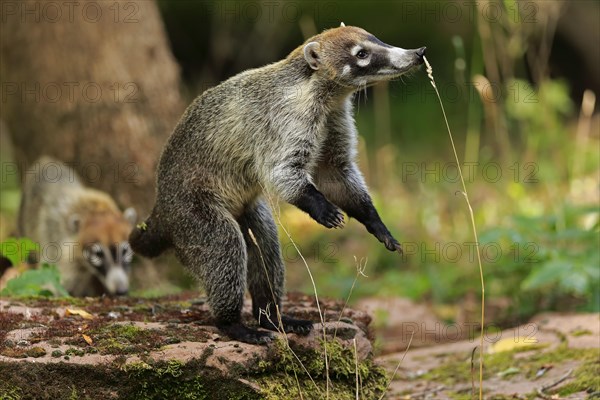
x: 553, y: 356
x: 150, y: 348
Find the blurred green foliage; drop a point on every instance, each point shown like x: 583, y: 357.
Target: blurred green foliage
x: 44, y: 281
x: 553, y: 256
x: 17, y: 249
x: 533, y: 175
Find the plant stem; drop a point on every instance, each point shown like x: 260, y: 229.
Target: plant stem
x: 464, y: 192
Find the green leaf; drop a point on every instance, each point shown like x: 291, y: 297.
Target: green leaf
x: 576, y: 282
x: 36, y: 282
x: 17, y: 249
x: 549, y: 273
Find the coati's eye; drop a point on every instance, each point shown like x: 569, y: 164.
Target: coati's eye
x: 362, y: 54
x: 126, y: 253
x: 94, y: 255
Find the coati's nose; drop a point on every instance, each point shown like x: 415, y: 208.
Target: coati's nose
x: 421, y: 52
x: 121, y: 292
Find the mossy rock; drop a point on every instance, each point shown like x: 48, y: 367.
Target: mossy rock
x: 167, y: 349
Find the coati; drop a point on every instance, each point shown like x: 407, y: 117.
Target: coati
x: 286, y: 128
x: 80, y: 230
x: 7, y: 271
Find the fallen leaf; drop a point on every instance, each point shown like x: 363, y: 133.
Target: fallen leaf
x: 509, y: 371
x: 512, y: 344
x: 87, y: 339
x: 83, y: 314
x: 543, y: 370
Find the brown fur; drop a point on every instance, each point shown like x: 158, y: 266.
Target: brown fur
x: 285, y: 129
x: 64, y: 214
x: 105, y: 228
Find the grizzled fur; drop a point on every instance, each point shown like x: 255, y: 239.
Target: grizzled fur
x: 80, y: 230
x: 286, y: 128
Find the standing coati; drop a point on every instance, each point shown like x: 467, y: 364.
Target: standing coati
x: 80, y: 230
x: 286, y: 128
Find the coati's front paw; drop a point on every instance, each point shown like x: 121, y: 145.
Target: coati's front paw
x: 290, y: 325
x: 329, y: 216
x: 389, y: 242
x: 240, y: 332
x: 392, y: 245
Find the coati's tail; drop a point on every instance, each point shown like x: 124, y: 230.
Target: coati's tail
x: 147, y: 240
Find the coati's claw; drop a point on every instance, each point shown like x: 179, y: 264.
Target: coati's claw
x: 290, y: 325
x: 331, y: 217
x: 392, y: 245
x: 395, y: 246
x: 242, y: 333
x: 301, y: 327
x: 389, y: 242
x: 264, y: 338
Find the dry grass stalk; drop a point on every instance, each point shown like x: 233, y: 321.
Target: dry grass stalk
x: 312, y: 280
x: 360, y: 270
x: 466, y: 195
x: 398, y: 366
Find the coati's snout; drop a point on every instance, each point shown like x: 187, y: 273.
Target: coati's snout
x: 355, y: 58
x: 110, y: 265
x: 404, y: 60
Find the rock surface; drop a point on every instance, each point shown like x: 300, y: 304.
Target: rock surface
x: 167, y: 348
x: 396, y: 318
x: 557, y: 355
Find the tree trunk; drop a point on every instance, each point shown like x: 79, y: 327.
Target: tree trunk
x: 91, y: 83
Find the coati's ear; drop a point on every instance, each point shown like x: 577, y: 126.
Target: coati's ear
x: 342, y: 24
x: 73, y: 223
x: 130, y: 215
x: 311, y: 54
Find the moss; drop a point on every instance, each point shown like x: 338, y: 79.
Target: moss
x: 587, y: 379
x: 20, y: 352
x: 125, y: 339
x: 264, y: 365
x: 581, y: 332
x: 279, y: 375
x: 13, y: 352
x: 74, y: 395
x: 155, y: 382
x: 174, y: 380
x: 36, y: 352
x: 142, y: 380
x: 457, y: 369
x: 309, y: 376
x: 10, y: 393
x: 71, y: 351
x: 205, y: 354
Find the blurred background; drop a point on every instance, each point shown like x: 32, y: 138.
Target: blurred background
x: 105, y: 83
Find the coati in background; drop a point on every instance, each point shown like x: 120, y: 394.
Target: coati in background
x: 286, y: 128
x: 80, y: 230
x: 7, y: 271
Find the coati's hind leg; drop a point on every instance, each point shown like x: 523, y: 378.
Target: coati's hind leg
x: 208, y: 241
x: 266, y: 270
